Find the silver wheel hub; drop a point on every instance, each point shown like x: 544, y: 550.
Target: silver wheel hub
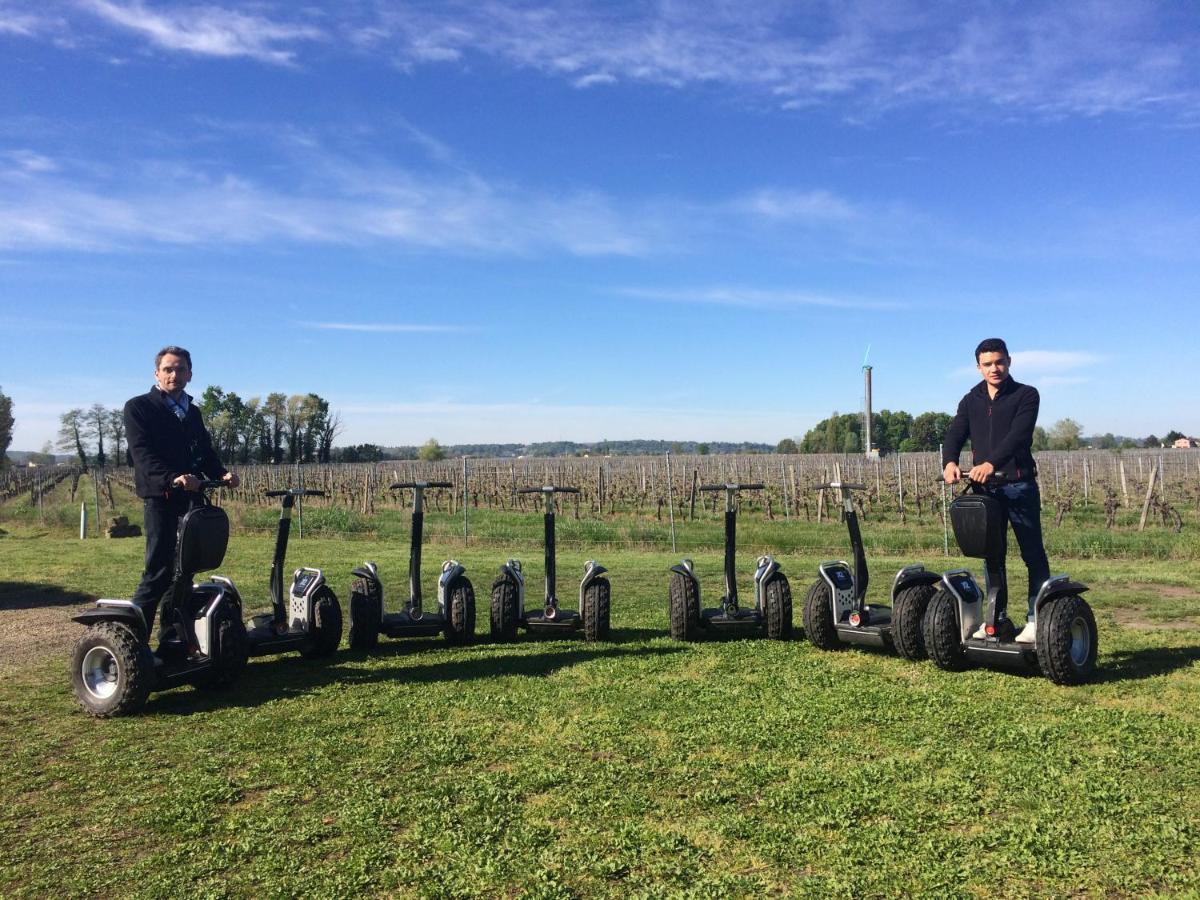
x: 1081, y: 643
x: 100, y: 672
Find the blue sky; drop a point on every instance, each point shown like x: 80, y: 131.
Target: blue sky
x: 510, y: 221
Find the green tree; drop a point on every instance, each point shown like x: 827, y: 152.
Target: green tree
x: 926, y: 432
x: 702, y: 449
x: 1172, y: 436
x: 787, y: 445
x: 431, y: 451
x: 6, y: 427
x: 1064, y: 435
x: 1151, y: 441
x: 1107, y: 441
x: 1041, y: 440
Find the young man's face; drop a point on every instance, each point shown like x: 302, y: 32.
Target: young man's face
x: 173, y: 374
x: 993, y: 367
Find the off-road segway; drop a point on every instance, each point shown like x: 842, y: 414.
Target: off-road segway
x: 508, y: 590
x: 455, y: 614
x: 1065, y: 642
x: 836, y: 610
x: 113, y: 669
x: 311, y: 619
x: 772, y: 608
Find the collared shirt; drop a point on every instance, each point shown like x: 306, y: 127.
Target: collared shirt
x: 180, y: 406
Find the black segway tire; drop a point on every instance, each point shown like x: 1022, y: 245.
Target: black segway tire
x: 777, y: 595
x: 326, y: 625
x: 596, y: 601
x: 943, y: 640
x: 819, y: 626
x: 1067, y: 642
x: 684, y: 608
x: 229, y: 657
x: 460, y: 609
x: 365, y: 615
x: 121, y: 671
x: 504, y: 609
x: 908, y: 620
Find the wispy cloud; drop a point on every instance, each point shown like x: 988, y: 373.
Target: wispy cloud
x: 379, y: 327
x: 1046, y: 366
x: 46, y: 203
x: 757, y: 298
x: 207, y: 31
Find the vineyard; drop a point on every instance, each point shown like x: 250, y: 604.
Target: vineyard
x: 1094, y: 502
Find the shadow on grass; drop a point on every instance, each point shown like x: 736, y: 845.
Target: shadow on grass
x: 1131, y: 665
x: 27, y: 595
x: 290, y: 676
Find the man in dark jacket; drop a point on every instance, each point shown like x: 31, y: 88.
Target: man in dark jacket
x: 170, y: 451
x: 999, y: 415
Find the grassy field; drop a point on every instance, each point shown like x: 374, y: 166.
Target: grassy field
x: 637, y: 767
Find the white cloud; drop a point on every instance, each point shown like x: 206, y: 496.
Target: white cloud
x: 1046, y: 366
x: 378, y: 327
x: 207, y: 31
x: 757, y: 298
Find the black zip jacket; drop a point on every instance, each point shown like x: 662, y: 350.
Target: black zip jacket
x: 160, y: 447
x: 1000, y: 429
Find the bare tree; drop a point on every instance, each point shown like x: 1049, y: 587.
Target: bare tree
x: 6, y: 427
x: 70, y: 434
x: 95, y: 427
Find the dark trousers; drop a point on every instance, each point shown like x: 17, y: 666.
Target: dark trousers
x: 1023, y: 504
x: 161, y: 524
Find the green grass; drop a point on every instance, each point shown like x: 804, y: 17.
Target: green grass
x: 636, y: 767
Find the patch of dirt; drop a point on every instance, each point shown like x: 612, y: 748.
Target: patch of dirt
x: 1134, y: 617
x: 35, y: 622
x: 1166, y: 591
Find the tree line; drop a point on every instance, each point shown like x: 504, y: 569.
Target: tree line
x: 277, y: 429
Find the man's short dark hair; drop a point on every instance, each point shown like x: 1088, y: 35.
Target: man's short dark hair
x: 991, y: 345
x: 174, y: 351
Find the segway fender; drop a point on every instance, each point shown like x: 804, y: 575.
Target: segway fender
x: 686, y: 569
x: 367, y: 570
x: 764, y: 570
x: 842, y: 594
x: 511, y: 570
x: 126, y: 612
x: 913, y: 575
x: 969, y: 606
x: 452, y: 570
x: 1057, y: 586
x: 591, y: 571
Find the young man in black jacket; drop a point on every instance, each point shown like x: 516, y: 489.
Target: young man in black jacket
x: 170, y: 451
x: 999, y: 415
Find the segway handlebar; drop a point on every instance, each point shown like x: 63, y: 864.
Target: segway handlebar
x: 420, y: 484
x: 732, y: 487
x: 548, y: 489
x: 964, y: 478
x: 295, y: 492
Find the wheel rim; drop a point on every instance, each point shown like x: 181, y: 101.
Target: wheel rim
x: 100, y: 671
x: 1081, y: 643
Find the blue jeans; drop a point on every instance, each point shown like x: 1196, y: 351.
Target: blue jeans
x: 1023, y: 504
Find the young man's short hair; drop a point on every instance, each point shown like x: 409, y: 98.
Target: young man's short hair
x: 990, y: 345
x: 187, y: 357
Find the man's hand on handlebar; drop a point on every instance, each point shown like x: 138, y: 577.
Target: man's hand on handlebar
x: 952, y: 473
x: 980, y: 473
x: 231, y: 479
x: 187, y: 482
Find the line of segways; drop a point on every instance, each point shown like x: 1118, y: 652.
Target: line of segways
x: 945, y: 617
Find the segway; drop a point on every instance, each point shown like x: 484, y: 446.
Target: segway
x: 311, y: 620
x: 113, y: 669
x: 1066, y: 642
x: 836, y: 610
x: 508, y: 590
x: 772, y: 609
x: 455, y: 615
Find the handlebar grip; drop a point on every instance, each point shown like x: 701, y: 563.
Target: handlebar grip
x: 842, y: 484
x: 548, y: 489
x: 208, y: 484
x: 756, y: 486
x: 421, y: 484
x: 295, y: 492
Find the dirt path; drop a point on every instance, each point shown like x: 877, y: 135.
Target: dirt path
x: 35, y: 623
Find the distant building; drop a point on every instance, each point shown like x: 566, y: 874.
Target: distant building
x: 1186, y: 443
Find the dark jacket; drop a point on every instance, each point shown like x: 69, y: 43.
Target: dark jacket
x: 161, y: 447
x: 1001, y: 430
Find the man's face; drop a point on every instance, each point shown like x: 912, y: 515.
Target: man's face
x: 172, y: 374
x: 993, y: 367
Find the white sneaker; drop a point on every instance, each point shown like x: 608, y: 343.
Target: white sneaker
x: 981, y: 633
x: 1028, y: 634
